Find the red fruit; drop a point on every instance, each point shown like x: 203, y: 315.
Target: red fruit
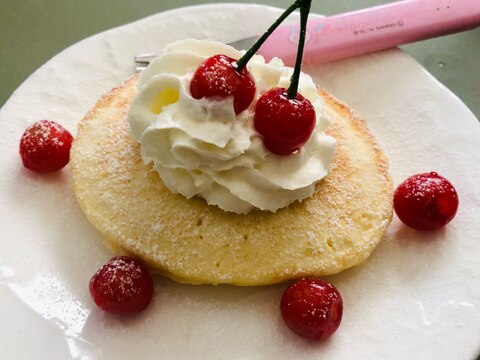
x: 312, y: 308
x: 217, y: 77
x: 45, y: 146
x: 426, y: 201
x: 285, y: 124
x: 122, y: 286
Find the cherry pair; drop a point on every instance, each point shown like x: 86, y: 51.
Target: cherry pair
x: 283, y: 117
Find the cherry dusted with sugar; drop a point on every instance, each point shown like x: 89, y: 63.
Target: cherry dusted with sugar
x: 312, y: 308
x: 284, y: 123
x: 426, y: 201
x: 122, y: 286
x: 45, y: 146
x: 219, y: 77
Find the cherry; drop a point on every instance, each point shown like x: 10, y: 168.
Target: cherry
x: 285, y: 124
x: 45, y: 146
x: 283, y: 117
x: 426, y: 201
x: 122, y: 286
x: 219, y: 77
x: 312, y: 308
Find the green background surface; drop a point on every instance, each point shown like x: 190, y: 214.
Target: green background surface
x: 32, y: 31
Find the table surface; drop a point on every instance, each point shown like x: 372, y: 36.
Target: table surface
x: 32, y: 31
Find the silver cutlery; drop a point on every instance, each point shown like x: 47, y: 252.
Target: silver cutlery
x: 142, y: 60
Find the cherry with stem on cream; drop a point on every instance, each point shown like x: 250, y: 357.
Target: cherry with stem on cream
x: 221, y: 76
x: 283, y: 117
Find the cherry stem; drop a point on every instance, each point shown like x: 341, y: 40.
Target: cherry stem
x: 242, y: 62
x: 304, y: 11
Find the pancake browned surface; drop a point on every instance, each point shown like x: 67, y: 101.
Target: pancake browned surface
x: 193, y: 242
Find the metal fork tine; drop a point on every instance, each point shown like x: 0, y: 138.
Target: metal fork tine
x: 145, y: 58
x: 142, y: 60
x: 244, y: 44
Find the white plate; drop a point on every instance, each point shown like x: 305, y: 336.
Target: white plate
x: 417, y: 297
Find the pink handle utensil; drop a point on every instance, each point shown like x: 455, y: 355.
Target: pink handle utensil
x: 373, y: 29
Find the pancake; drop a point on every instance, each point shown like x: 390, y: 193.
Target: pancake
x: 193, y: 242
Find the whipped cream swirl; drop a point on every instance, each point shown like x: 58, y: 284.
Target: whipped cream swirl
x: 202, y: 148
